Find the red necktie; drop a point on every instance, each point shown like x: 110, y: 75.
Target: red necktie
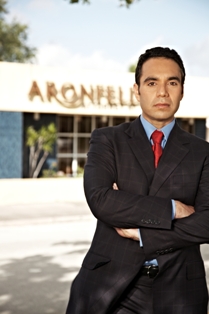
x: 157, y: 137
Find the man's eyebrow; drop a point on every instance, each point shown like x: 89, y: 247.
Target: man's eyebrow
x: 174, y: 78
x: 150, y: 78
x: 171, y: 78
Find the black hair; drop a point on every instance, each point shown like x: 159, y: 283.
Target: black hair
x: 159, y: 52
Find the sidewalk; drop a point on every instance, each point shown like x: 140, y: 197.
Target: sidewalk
x: 25, y: 201
x: 46, y: 228
x: 30, y: 191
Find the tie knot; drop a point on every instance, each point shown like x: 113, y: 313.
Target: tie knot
x: 157, y: 137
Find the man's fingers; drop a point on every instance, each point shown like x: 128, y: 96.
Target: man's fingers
x: 120, y: 231
x: 115, y: 187
x: 183, y: 210
x: 128, y: 233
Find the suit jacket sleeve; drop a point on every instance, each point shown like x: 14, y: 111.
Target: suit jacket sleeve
x: 186, y: 231
x: 119, y: 208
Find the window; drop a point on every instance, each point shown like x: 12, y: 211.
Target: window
x: 102, y: 121
x: 83, y: 144
x: 65, y: 124
x: 117, y: 120
x: 65, y: 145
x: 84, y: 124
x: 65, y: 165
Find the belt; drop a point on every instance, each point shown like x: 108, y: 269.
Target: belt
x: 150, y: 270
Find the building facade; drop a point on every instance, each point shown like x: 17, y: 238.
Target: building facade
x: 77, y: 103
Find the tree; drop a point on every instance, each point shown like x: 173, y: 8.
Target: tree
x: 13, y: 39
x: 132, y: 68
x: 122, y: 2
x: 40, y: 142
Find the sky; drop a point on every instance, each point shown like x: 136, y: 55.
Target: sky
x: 104, y: 36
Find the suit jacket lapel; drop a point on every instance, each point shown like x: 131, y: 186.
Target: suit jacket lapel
x: 141, y: 148
x: 175, y: 150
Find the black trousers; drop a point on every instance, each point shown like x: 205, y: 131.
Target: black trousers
x: 138, y: 299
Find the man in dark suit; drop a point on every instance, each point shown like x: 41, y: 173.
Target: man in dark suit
x: 147, y: 183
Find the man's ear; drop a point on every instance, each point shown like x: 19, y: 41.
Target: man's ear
x: 136, y: 91
x: 182, y: 93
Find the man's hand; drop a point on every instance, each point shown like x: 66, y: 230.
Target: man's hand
x: 114, y: 186
x: 126, y: 233
x: 183, y: 210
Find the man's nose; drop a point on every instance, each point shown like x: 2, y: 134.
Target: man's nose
x: 162, y: 90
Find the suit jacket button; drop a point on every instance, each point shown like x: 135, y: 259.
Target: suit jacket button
x: 160, y: 252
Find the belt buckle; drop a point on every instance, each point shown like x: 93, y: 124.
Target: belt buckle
x: 151, y: 274
x: 148, y: 271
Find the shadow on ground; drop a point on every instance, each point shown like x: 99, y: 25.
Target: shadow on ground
x: 36, y: 285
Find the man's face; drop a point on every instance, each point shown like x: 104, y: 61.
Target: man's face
x: 160, y: 90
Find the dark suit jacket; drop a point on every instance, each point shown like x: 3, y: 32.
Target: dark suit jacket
x: 123, y: 154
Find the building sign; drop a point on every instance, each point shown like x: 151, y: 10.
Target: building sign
x: 70, y: 96
x: 32, y: 88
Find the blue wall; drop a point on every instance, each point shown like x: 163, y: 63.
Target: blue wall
x: 11, y: 144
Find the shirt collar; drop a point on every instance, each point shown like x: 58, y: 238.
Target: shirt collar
x: 149, y: 128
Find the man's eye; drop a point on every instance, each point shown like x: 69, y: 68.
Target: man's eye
x: 173, y: 83
x: 151, y: 84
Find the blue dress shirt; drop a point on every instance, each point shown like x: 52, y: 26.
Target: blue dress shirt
x: 149, y: 129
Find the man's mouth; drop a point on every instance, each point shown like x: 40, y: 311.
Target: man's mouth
x: 162, y: 105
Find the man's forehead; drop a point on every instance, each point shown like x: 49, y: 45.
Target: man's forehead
x: 160, y: 62
x: 161, y: 66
